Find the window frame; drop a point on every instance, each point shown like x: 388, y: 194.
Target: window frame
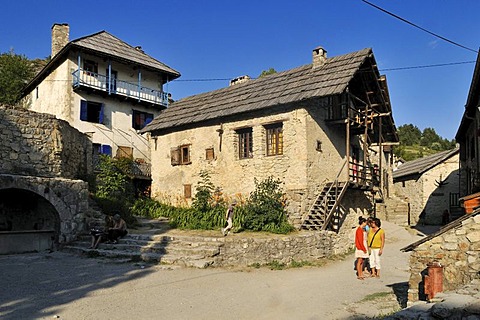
x: 87, y: 114
x: 274, y: 139
x: 245, y: 143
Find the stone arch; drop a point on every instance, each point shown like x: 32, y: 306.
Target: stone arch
x: 67, y: 198
x: 24, y: 210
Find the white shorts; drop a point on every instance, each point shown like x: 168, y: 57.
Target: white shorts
x: 375, y: 258
x: 360, y: 254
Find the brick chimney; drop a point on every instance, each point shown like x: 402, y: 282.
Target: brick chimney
x: 319, y: 57
x: 60, y: 37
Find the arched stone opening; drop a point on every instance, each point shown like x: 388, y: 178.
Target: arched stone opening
x: 28, y: 221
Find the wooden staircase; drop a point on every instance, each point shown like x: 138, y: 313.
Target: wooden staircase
x: 320, y: 215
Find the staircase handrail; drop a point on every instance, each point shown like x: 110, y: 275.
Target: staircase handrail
x: 335, y: 205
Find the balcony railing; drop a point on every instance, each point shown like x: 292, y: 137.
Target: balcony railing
x: 111, y: 85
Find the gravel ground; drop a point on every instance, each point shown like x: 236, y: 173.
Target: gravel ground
x: 63, y: 286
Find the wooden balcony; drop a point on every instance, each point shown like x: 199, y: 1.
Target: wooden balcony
x: 111, y: 86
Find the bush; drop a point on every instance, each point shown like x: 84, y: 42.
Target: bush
x: 113, y: 189
x: 264, y: 210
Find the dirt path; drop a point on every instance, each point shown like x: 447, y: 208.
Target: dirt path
x: 42, y: 286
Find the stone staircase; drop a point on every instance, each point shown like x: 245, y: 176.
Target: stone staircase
x: 153, y: 242
x: 395, y: 210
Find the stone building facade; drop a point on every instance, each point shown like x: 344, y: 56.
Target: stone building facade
x: 45, y: 163
x: 428, y: 184
x: 302, y: 126
x: 456, y: 247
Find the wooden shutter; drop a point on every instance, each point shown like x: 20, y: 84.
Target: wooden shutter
x: 175, y: 156
x: 187, y: 191
x: 209, y: 154
x: 124, y: 152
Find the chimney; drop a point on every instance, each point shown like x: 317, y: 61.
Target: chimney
x: 239, y: 80
x: 60, y: 35
x: 319, y: 57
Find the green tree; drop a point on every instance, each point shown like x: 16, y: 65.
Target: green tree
x: 409, y: 134
x: 267, y: 72
x: 15, y: 71
x: 429, y: 137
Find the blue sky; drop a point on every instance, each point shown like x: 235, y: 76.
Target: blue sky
x: 225, y: 39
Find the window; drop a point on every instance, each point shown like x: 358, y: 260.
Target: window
x: 91, y: 111
x: 141, y: 119
x: 185, y: 154
x: 274, y: 139
x: 90, y: 67
x: 180, y: 155
x: 245, y: 143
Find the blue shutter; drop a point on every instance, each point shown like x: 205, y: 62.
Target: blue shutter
x: 148, y: 118
x: 100, y: 116
x: 83, y: 110
x: 107, y: 150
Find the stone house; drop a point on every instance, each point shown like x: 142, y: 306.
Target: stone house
x: 324, y: 129
x: 468, y: 138
x: 456, y: 247
x: 103, y: 87
x: 43, y: 195
x: 430, y: 185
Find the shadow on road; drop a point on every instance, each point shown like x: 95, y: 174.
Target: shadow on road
x: 38, y: 285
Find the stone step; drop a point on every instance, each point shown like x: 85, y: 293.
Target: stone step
x: 197, y: 261
x: 158, y: 247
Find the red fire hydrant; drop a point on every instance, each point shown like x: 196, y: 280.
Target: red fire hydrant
x: 434, y: 279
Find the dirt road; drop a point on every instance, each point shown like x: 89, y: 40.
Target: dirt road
x: 59, y: 285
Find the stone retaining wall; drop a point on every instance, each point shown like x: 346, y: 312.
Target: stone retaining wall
x: 457, y: 250
x: 303, y: 246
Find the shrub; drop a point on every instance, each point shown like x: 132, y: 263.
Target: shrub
x: 114, y: 190
x: 264, y: 210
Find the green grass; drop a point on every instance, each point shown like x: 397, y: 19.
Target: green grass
x: 375, y: 296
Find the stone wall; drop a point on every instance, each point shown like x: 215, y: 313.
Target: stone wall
x: 284, y: 249
x: 37, y: 144
x: 457, y: 250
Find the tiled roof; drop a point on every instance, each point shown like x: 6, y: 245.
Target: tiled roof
x: 419, y: 166
x: 105, y: 43
x: 281, y: 88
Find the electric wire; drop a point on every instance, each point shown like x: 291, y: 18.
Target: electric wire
x: 417, y: 26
